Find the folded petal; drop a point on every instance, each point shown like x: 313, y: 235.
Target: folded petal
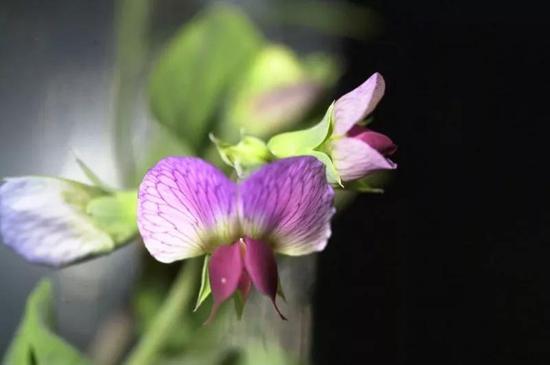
x: 355, y: 159
x: 186, y: 207
x: 288, y: 204
x: 225, y: 271
x: 357, y: 104
x: 261, y: 266
x: 378, y: 141
x: 44, y: 220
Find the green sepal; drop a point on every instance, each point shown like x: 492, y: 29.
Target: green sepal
x: 115, y: 214
x: 248, y: 154
x: 363, y: 186
x: 35, y: 342
x: 204, y: 290
x: 280, y: 291
x: 302, y: 142
x: 308, y: 142
x: 92, y: 176
x: 240, y: 303
x: 333, y: 177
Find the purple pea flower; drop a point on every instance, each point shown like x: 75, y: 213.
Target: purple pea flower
x: 358, y: 151
x: 189, y: 208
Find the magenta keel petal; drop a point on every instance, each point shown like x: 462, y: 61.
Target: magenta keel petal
x: 225, y: 269
x: 378, y: 141
x: 261, y: 266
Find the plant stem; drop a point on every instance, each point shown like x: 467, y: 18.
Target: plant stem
x: 179, y: 298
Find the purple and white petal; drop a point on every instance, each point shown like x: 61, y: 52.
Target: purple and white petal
x: 44, y: 220
x: 357, y: 104
x: 288, y: 204
x: 186, y: 207
x: 355, y: 159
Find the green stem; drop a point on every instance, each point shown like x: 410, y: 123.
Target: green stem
x: 167, y: 319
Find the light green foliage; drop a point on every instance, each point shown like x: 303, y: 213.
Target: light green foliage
x: 197, y: 68
x: 35, y: 342
x: 115, y: 214
x: 277, y: 91
x: 248, y: 154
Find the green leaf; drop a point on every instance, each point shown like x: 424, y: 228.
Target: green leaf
x: 115, y: 214
x: 205, y: 289
x: 35, y: 342
x: 198, y: 67
x: 301, y: 142
x: 94, y: 179
x: 157, y: 143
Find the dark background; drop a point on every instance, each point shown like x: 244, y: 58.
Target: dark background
x: 450, y: 266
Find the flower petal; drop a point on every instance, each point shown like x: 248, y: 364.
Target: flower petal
x: 288, y: 204
x: 225, y: 270
x: 355, y: 159
x: 44, y: 220
x: 378, y: 141
x: 185, y: 207
x: 357, y: 104
x: 261, y: 266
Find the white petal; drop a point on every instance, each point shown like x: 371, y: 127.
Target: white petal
x: 44, y: 219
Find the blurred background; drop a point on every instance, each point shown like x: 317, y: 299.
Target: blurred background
x: 449, y: 266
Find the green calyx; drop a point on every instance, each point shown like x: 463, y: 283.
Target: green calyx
x: 248, y: 154
x: 314, y: 141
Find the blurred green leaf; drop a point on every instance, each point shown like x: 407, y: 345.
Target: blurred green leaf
x: 35, y: 342
x: 205, y: 289
x: 157, y: 143
x: 198, y: 67
x: 115, y: 214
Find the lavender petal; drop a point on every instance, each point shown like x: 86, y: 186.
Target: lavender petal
x: 288, y: 204
x: 186, y: 204
x: 357, y: 104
